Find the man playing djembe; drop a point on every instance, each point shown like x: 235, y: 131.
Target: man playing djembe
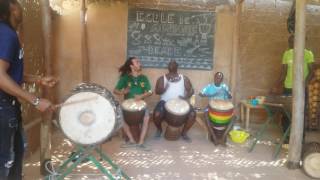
x: 173, y: 86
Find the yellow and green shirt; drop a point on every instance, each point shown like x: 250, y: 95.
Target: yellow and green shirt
x: 138, y: 85
x: 288, y: 59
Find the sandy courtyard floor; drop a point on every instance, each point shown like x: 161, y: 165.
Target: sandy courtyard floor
x: 177, y: 160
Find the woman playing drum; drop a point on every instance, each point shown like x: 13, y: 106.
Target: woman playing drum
x: 173, y: 86
x: 133, y: 84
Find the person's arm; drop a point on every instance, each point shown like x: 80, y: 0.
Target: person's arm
x: 310, y: 61
x: 311, y: 73
x: 144, y: 95
x: 203, y: 92
x: 121, y: 92
x: 188, y: 87
x: 160, y: 86
x: 227, y: 91
x: 121, y: 88
x: 147, y: 90
x: 48, y: 81
x: 8, y: 85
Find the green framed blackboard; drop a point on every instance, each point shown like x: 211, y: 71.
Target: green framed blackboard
x: 156, y: 36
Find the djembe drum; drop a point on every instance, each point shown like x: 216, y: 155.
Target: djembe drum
x: 177, y: 111
x: 92, y: 116
x: 133, y: 113
x: 219, y: 116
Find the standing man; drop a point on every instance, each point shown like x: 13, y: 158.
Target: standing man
x: 11, y: 78
x: 216, y: 90
x: 170, y: 86
x: 133, y: 84
x: 284, y: 83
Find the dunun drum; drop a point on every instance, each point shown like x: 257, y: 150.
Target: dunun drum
x: 133, y: 112
x: 177, y: 111
x: 219, y: 115
x: 311, y: 159
x: 90, y: 115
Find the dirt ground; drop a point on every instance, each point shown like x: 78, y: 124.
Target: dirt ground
x: 177, y: 160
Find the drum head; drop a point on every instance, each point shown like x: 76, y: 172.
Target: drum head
x: 311, y: 165
x: 311, y: 159
x: 221, y: 105
x: 89, y: 122
x: 133, y: 105
x: 178, y: 107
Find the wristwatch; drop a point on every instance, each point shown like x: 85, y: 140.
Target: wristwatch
x: 36, y: 101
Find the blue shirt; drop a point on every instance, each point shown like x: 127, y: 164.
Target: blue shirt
x: 11, y: 52
x: 216, y: 92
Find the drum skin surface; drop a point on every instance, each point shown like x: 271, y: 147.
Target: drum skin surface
x: 134, y: 105
x: 311, y: 159
x: 92, y: 121
x: 221, y: 105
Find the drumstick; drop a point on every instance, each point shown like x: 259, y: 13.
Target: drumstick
x: 75, y: 102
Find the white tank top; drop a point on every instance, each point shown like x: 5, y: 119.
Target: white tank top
x: 174, y: 90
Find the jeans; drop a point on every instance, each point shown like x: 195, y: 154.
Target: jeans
x: 11, y: 139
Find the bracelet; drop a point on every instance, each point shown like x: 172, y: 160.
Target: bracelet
x: 36, y: 101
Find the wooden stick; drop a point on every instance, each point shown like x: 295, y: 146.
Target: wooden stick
x: 298, y: 91
x: 273, y: 104
x: 76, y: 102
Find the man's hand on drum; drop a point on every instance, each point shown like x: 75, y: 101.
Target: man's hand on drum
x: 45, y: 105
x: 138, y: 97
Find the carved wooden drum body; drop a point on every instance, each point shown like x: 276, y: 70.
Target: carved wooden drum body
x: 177, y: 111
x: 220, y: 114
x: 90, y: 115
x: 133, y: 113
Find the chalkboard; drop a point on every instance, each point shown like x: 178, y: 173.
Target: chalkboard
x: 157, y: 36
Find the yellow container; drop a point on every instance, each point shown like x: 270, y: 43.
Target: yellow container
x: 238, y: 136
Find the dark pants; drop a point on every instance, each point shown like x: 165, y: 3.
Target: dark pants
x: 11, y: 139
x: 285, y: 121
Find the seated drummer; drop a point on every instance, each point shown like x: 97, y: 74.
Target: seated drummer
x: 217, y: 89
x: 133, y: 84
x: 170, y: 86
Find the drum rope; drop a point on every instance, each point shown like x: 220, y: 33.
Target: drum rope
x: 52, y: 172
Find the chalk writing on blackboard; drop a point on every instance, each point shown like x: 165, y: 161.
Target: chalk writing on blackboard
x: 156, y: 36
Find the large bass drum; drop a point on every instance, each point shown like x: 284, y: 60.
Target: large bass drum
x: 90, y: 114
x: 311, y: 159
